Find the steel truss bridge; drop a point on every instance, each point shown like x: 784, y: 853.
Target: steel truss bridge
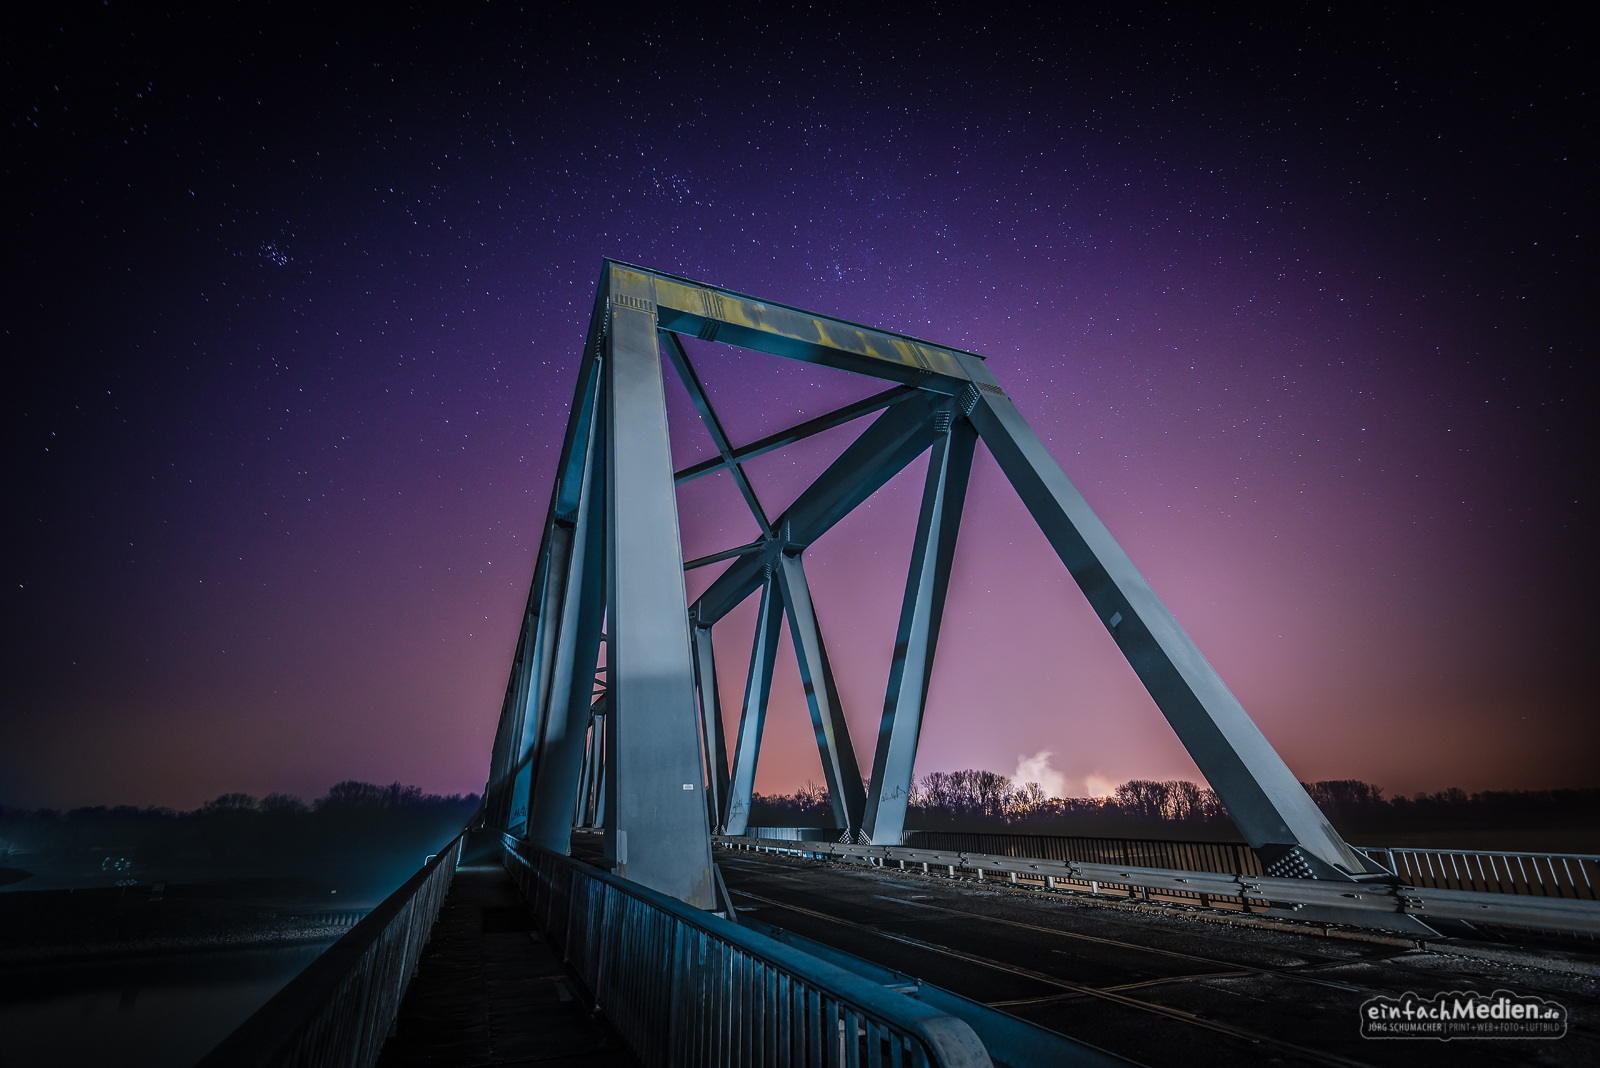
x: 632, y: 752
x: 647, y: 761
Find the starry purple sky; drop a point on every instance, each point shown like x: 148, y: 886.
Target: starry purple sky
x: 293, y: 304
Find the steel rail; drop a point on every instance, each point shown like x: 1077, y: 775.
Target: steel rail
x: 1398, y: 960
x: 1242, y: 971
x: 1071, y: 994
x: 1102, y: 993
x: 1251, y: 968
x: 1291, y: 972
x: 1395, y: 960
x: 1213, y: 936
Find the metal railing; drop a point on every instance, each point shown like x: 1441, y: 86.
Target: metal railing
x: 796, y: 834
x: 682, y: 986
x: 340, y: 918
x: 1374, y: 903
x: 337, y: 1013
x: 1011, y: 1041
x: 1569, y: 875
x: 1223, y: 858
x: 1227, y: 858
x: 1565, y: 875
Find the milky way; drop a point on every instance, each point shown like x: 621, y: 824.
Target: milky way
x: 294, y: 306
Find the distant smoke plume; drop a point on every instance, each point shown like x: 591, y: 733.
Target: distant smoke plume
x: 1037, y: 769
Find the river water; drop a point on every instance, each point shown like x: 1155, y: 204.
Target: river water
x: 138, y: 1012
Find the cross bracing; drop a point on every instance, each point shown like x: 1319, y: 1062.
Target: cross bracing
x: 638, y: 747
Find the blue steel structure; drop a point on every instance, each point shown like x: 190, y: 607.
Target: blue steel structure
x: 637, y: 747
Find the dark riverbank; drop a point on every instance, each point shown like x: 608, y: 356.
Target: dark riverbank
x: 100, y: 924
x: 159, y: 1010
x: 151, y: 976
x: 358, y: 842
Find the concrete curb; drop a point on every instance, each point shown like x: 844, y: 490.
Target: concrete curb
x: 1567, y: 964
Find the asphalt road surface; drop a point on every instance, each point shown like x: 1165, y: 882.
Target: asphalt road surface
x: 1161, y: 989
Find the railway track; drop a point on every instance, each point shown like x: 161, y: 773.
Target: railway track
x: 1212, y: 969
x: 1111, y: 994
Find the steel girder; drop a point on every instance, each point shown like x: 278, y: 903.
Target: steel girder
x: 656, y: 831
x: 530, y: 671
x: 558, y: 764
x: 712, y: 741
x: 713, y: 425
x: 753, y: 713
x: 804, y: 430
x: 662, y: 740
x: 839, y: 766
x: 895, y: 438
x: 943, y: 496
x: 1265, y: 800
x: 585, y: 810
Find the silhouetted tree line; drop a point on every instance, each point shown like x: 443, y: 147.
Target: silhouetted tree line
x: 974, y: 799
x: 974, y: 796
x: 238, y: 835
x: 1356, y: 803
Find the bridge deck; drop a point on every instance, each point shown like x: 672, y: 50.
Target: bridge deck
x: 1165, y: 991
x: 490, y: 990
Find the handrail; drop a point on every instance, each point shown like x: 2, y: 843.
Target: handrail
x: 1228, y: 858
x: 682, y: 986
x: 1568, y: 875
x: 1475, y: 852
x: 1573, y: 875
x: 339, y: 1010
x: 1009, y: 1039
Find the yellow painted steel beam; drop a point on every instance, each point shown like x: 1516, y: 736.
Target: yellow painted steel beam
x: 712, y: 314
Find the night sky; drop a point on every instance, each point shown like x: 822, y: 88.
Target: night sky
x: 293, y: 304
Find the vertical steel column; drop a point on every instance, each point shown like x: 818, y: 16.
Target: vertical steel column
x: 523, y: 680
x: 534, y: 697
x: 497, y: 791
x: 657, y: 831
x: 580, y: 803
x: 943, y: 496
x: 521, y: 718
x: 839, y: 765
x: 1263, y: 797
x: 753, y: 717
x: 559, y: 753
x: 600, y: 784
x: 597, y: 750
x: 527, y: 689
x: 712, y: 739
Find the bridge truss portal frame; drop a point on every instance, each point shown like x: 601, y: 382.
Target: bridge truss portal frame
x: 639, y: 743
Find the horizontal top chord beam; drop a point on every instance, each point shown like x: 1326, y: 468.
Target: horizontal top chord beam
x: 713, y: 314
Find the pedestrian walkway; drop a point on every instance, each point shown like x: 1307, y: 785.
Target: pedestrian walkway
x: 491, y: 991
